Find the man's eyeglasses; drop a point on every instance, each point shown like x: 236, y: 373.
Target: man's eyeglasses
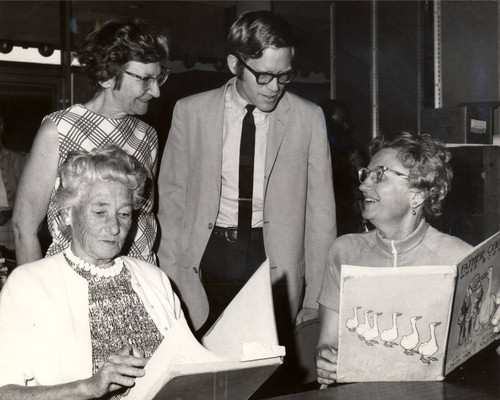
x: 148, y: 81
x: 377, y: 173
x: 263, y: 78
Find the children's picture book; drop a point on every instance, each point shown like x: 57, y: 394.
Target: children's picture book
x: 238, y: 354
x: 416, y: 323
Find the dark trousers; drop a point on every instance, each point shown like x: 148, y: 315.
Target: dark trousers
x: 226, y: 266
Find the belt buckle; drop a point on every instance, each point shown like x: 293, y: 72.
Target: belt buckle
x: 231, y: 234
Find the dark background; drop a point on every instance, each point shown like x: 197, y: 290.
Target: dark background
x: 198, y: 29
x: 405, y: 78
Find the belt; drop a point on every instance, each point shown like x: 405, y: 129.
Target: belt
x: 231, y: 234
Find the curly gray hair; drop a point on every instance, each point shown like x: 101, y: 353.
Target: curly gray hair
x: 428, y: 161
x: 107, y: 163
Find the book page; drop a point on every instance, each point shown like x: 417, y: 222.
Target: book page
x: 393, y: 323
x: 246, y: 329
x: 478, y: 284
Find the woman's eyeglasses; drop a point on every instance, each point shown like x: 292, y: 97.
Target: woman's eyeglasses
x: 263, y: 78
x: 148, y: 81
x: 377, y: 173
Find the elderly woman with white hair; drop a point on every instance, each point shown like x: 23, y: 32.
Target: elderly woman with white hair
x: 81, y: 324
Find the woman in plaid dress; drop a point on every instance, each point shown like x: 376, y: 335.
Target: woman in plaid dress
x: 124, y: 61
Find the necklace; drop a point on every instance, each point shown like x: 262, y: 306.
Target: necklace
x: 94, y: 269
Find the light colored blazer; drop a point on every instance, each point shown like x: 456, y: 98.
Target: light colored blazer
x: 44, y: 319
x: 299, y: 206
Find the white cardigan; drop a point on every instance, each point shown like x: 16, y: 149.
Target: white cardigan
x: 44, y: 319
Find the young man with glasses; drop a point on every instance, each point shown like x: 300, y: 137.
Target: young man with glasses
x: 209, y: 246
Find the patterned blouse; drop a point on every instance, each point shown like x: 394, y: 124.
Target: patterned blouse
x: 117, y: 317
x: 82, y: 129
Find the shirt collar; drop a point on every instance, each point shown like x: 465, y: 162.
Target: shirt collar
x: 406, y: 244
x: 239, y: 104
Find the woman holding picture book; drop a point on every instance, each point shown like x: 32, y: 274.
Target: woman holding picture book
x: 404, y: 186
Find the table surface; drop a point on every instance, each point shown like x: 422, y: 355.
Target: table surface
x: 477, y: 379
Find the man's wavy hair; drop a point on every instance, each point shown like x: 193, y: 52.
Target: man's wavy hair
x: 255, y: 31
x: 105, y: 51
x: 108, y: 163
x: 428, y: 162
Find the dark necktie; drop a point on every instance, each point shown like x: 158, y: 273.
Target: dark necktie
x: 245, y: 184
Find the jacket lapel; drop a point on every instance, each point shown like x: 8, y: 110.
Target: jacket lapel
x: 214, y: 129
x: 278, y: 127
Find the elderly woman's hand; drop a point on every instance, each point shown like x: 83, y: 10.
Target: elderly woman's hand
x: 326, y: 364
x: 118, y: 372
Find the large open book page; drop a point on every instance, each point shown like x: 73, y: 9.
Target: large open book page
x: 417, y: 323
x: 385, y: 313
x: 246, y: 329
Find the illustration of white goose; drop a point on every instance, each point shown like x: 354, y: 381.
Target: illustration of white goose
x: 488, y: 305
x: 409, y: 342
x: 372, y: 333
x: 429, y: 348
x: 390, y: 335
x: 365, y: 325
x: 352, y: 323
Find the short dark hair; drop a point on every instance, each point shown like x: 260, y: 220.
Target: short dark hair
x: 255, y: 31
x: 428, y: 162
x: 107, y: 49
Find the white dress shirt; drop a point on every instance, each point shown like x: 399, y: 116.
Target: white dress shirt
x: 234, y: 112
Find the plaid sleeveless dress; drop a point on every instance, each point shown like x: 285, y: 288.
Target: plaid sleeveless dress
x: 82, y: 129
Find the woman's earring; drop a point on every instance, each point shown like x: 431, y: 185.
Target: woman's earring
x: 413, y: 207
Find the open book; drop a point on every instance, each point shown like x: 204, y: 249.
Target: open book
x: 416, y: 323
x: 239, y: 352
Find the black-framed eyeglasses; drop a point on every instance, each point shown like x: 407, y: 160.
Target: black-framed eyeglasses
x: 148, y: 81
x: 377, y: 173
x: 263, y: 78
